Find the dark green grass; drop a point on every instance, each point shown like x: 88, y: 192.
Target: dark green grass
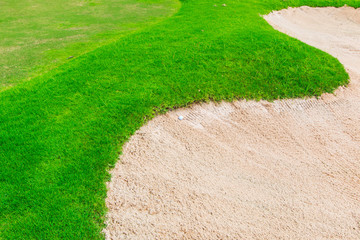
x: 38, y: 35
x: 60, y: 133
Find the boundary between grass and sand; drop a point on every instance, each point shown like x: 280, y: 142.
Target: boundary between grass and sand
x: 60, y: 133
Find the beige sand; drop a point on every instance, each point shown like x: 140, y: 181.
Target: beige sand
x: 251, y: 170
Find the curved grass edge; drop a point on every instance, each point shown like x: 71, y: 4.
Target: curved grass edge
x: 61, y: 133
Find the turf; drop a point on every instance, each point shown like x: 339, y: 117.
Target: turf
x: 62, y: 131
x: 38, y: 35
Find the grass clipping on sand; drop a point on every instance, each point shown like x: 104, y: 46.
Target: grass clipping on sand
x: 61, y: 132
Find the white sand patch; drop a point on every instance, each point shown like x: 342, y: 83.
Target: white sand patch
x: 251, y: 170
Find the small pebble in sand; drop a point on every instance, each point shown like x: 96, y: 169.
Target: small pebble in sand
x: 181, y: 117
x: 224, y: 5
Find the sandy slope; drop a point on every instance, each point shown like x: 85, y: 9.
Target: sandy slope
x: 251, y: 170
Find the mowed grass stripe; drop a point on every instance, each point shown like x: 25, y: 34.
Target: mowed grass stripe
x: 38, y: 35
x: 60, y: 133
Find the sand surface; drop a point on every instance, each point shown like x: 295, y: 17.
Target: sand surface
x: 251, y: 170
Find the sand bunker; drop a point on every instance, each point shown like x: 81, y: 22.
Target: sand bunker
x: 251, y: 170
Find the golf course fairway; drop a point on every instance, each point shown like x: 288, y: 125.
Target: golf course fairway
x: 62, y: 131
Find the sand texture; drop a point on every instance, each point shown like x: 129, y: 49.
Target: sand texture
x: 251, y: 170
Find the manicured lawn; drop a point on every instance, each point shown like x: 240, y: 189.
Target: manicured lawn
x: 62, y: 131
x: 38, y: 35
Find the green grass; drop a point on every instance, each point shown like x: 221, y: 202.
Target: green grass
x: 62, y: 131
x: 38, y: 35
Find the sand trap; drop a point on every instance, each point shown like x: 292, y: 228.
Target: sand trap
x: 251, y: 170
